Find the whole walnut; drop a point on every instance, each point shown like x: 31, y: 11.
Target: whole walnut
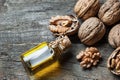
x: 114, y: 36
x: 109, y: 13
x: 91, y: 31
x: 86, y: 8
x: 113, y: 62
x: 64, y: 25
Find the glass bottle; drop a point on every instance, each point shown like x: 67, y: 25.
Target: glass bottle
x: 44, y: 57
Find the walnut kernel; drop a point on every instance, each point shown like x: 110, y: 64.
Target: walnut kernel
x: 113, y: 62
x: 64, y: 25
x: 88, y: 58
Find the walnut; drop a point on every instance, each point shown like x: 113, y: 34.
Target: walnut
x: 66, y: 25
x: 109, y: 13
x: 63, y: 42
x: 114, y: 36
x: 89, y: 57
x: 86, y: 8
x: 91, y: 31
x: 113, y: 62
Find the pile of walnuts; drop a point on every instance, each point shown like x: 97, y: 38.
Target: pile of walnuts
x: 96, y: 17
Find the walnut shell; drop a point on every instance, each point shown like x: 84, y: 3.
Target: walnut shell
x: 109, y: 13
x: 64, y: 25
x: 114, y: 36
x: 91, y: 31
x: 86, y: 8
x: 113, y: 62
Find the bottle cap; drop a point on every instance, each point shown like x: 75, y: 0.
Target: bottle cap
x: 62, y: 42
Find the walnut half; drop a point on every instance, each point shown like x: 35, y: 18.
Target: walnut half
x: 88, y: 58
x: 64, y: 25
x: 113, y: 62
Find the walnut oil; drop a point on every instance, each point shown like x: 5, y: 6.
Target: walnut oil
x: 41, y: 60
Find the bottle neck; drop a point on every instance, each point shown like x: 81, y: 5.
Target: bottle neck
x: 62, y: 43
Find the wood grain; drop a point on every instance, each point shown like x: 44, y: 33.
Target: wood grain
x: 24, y: 24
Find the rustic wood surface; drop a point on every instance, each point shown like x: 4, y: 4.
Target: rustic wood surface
x: 24, y: 24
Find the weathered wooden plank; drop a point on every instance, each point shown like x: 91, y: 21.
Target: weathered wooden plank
x: 14, y: 50
x: 67, y: 71
x: 70, y: 62
x: 24, y: 24
x: 98, y: 73
x: 12, y: 71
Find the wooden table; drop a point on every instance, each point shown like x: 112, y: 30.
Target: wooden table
x: 24, y: 24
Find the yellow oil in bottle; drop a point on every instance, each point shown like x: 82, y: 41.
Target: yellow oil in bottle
x: 49, y: 71
x: 40, y: 60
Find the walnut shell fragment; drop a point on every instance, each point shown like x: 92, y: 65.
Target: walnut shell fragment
x: 114, y: 36
x: 88, y: 58
x: 113, y: 62
x: 86, y: 8
x: 91, y: 31
x: 109, y: 13
x: 67, y: 25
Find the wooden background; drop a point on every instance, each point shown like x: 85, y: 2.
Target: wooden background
x: 24, y: 24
